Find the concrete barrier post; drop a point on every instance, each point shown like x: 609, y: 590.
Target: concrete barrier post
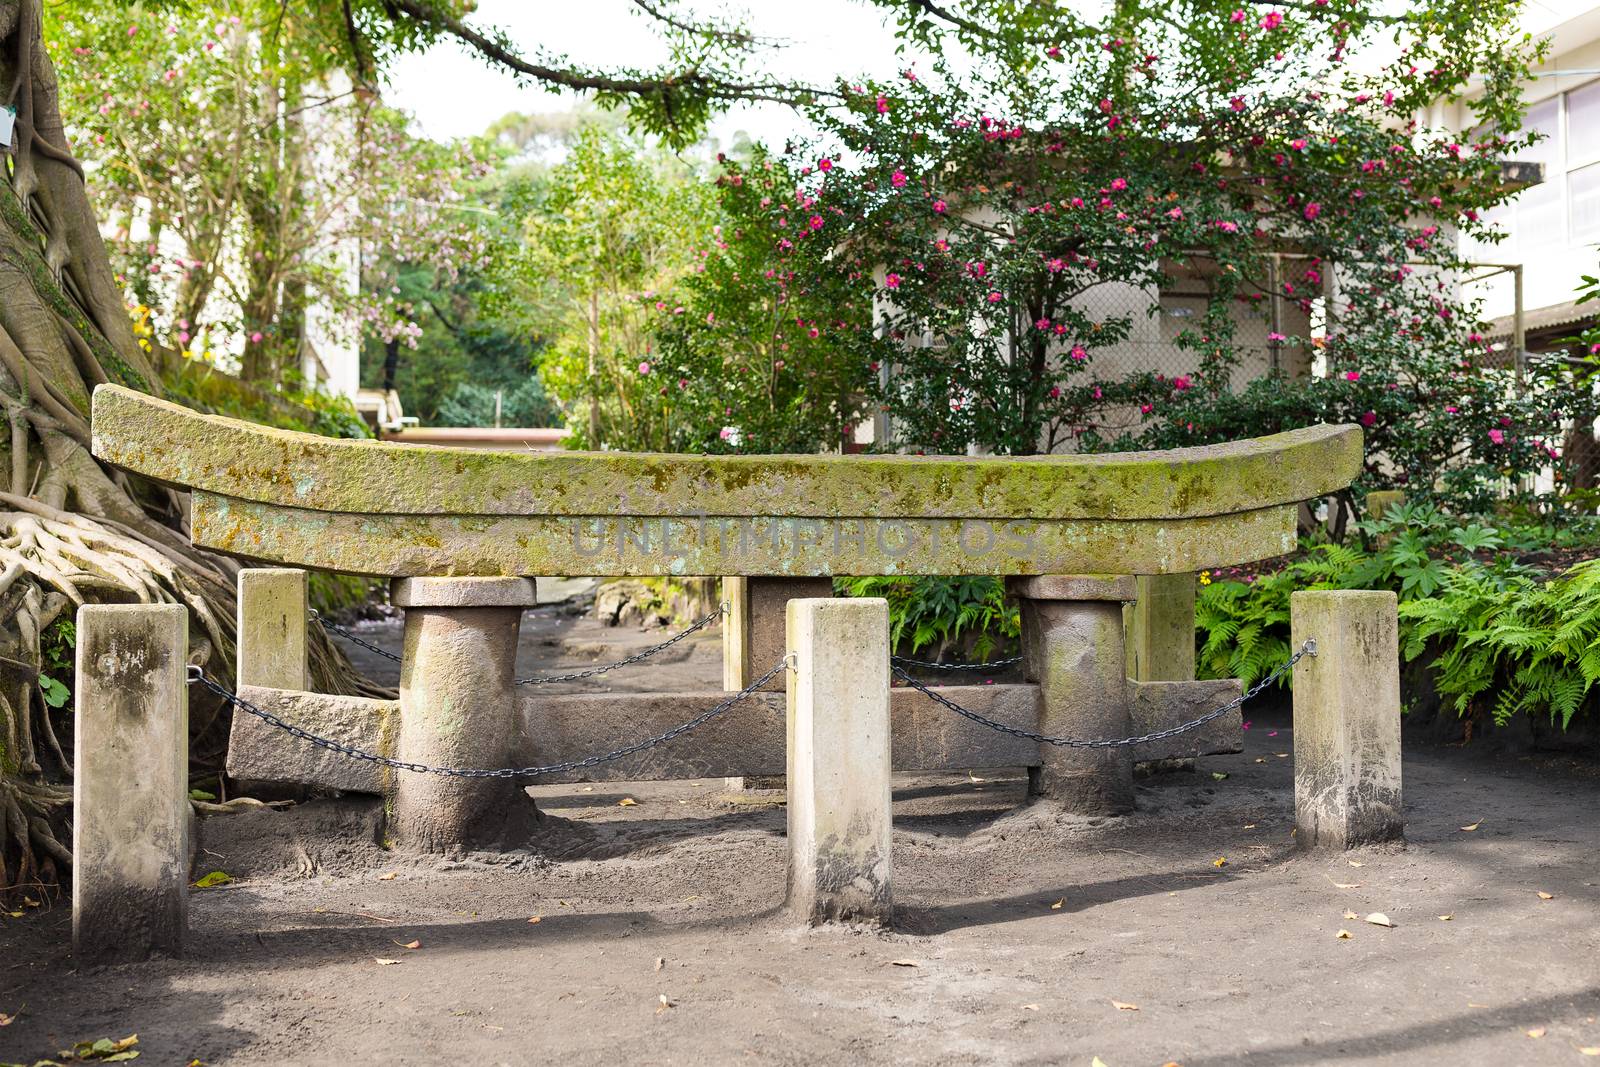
x: 131, y: 815
x: 840, y: 824
x: 272, y: 627
x: 1072, y: 645
x: 458, y: 709
x: 1346, y: 718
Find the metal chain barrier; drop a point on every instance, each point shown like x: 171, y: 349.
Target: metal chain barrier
x: 1307, y: 649
x: 721, y: 610
x: 992, y: 665
x: 316, y: 616
x: 197, y: 674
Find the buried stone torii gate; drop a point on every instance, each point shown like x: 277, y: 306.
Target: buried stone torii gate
x: 462, y: 532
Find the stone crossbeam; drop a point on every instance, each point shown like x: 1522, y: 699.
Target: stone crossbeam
x: 400, y: 510
x: 748, y: 739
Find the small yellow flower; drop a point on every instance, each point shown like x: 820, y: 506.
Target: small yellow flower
x: 1205, y: 577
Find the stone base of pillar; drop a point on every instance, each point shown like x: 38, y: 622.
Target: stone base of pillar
x: 458, y: 709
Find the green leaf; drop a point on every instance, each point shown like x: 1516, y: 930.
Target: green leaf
x: 201, y: 794
x: 55, y: 694
x: 215, y: 878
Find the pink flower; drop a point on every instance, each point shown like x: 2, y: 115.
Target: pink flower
x: 1145, y: 409
x: 1272, y: 21
x: 824, y: 164
x: 255, y: 338
x: 1313, y: 209
x: 1175, y: 213
x: 1298, y: 144
x: 815, y: 222
x: 1181, y: 382
x: 1078, y: 353
x: 1369, y: 418
x: 1056, y: 266
x: 1237, y: 103
x: 898, y: 179
x: 995, y: 298
x: 883, y: 105
x: 133, y: 31
x: 1276, y: 336
x: 1497, y: 436
x: 644, y: 367
x: 683, y: 383
x: 1452, y: 409
x: 892, y: 281
x: 1237, y: 16
x: 1042, y: 324
x: 1119, y: 184
x: 940, y: 206
x: 711, y: 318
x: 1352, y: 376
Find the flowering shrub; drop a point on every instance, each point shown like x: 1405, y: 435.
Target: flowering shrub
x: 983, y: 206
x: 763, y: 358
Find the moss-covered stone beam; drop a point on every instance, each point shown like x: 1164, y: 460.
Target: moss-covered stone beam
x: 767, y: 545
x: 284, y: 469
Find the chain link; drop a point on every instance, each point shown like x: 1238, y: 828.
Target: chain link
x: 196, y: 674
x: 721, y: 610
x: 1307, y: 649
x: 316, y: 616
x: 992, y: 665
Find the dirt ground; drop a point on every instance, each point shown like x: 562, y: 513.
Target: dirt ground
x: 1022, y: 936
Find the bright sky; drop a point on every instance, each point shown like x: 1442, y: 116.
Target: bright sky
x: 453, y: 94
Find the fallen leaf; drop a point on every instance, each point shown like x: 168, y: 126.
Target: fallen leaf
x: 661, y: 961
x: 1219, y: 775
x: 1446, y: 918
x: 213, y: 879
x: 1120, y: 1006
x: 15, y: 914
x: 587, y: 789
x: 386, y: 876
x: 1589, y: 1050
x: 1378, y: 918
x: 1536, y: 1032
x: 1249, y: 826
x: 904, y: 963
x: 1343, y: 935
x: 1346, y: 885
x: 1474, y: 826
x: 664, y: 1004
x: 409, y: 944
x: 29, y: 902
x: 1030, y: 1007
x: 1261, y: 759
x: 1356, y: 863
x: 627, y: 802
x: 1546, y: 896
x: 1097, y: 1062
x: 7, y: 1020
x: 1220, y: 861
x: 385, y: 963
x: 537, y: 919
x: 1281, y: 755
x: 1351, y: 915
x: 1057, y: 905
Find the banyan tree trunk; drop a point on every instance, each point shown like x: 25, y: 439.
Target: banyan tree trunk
x: 72, y: 531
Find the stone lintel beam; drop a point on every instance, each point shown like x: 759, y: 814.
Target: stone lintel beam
x: 747, y: 739
x: 1119, y: 587
x: 1161, y: 705
x: 266, y: 465
x: 264, y: 753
